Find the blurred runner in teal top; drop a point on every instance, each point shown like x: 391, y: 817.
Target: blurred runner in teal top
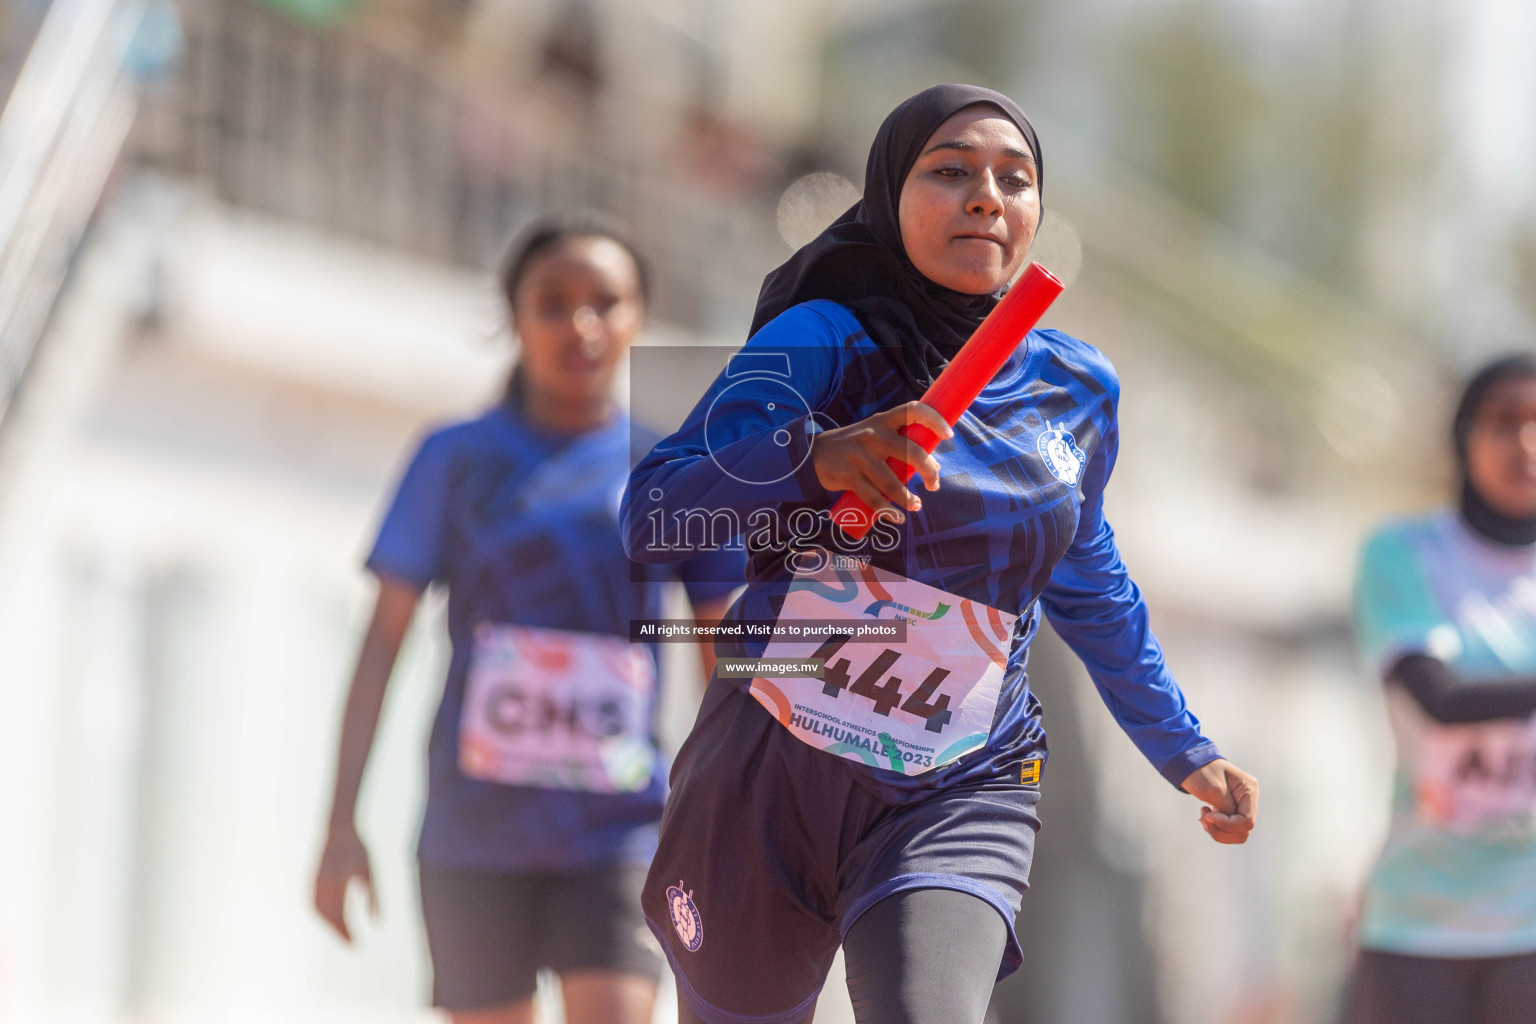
x: 1446, y: 615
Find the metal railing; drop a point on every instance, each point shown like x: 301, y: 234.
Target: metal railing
x: 60, y: 134
x: 383, y: 144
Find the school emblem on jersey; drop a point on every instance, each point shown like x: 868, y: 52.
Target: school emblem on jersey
x: 1062, y: 456
x: 685, y: 917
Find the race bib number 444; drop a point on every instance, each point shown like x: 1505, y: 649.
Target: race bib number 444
x: 908, y: 707
x: 557, y: 709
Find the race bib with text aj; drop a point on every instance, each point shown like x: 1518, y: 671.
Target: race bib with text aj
x: 1470, y: 777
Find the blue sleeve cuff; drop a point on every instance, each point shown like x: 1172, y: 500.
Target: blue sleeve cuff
x: 1177, y: 770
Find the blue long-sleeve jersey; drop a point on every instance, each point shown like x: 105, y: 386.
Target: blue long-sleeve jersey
x: 1018, y: 522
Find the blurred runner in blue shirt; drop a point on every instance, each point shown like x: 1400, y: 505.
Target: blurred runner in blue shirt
x: 545, y: 781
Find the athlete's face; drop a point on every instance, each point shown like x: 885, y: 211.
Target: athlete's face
x: 1501, y: 448
x: 577, y: 310
x: 970, y: 204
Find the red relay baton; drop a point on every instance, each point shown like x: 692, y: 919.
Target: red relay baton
x: 961, y: 381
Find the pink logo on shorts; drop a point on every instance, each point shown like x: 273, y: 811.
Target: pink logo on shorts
x: 685, y: 917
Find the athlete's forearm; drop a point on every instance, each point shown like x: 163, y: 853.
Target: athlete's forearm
x: 392, y: 615
x: 1449, y: 699
x: 1098, y: 610
x: 743, y: 449
x: 686, y: 497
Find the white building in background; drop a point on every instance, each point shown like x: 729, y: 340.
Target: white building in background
x: 195, y: 470
x: 198, y: 460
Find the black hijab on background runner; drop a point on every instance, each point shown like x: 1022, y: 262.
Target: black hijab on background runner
x: 1477, y: 513
x: 860, y: 261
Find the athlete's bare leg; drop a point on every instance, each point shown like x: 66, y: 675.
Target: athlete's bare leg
x: 607, y: 997
x: 520, y: 1012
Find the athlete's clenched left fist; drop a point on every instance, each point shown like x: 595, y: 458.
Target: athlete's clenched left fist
x: 1231, y: 798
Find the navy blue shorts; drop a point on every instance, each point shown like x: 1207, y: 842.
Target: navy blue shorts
x: 770, y: 851
x: 491, y: 933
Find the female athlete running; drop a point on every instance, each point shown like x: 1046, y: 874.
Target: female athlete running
x: 1446, y: 612
x: 545, y: 782
x: 888, y: 803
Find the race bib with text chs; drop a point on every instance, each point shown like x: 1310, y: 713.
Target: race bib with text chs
x: 557, y: 709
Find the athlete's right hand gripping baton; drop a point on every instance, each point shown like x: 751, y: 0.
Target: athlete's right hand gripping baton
x: 961, y: 381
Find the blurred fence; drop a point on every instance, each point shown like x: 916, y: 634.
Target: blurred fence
x: 384, y: 143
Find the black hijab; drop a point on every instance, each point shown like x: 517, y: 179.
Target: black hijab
x: 1477, y: 513
x: 859, y: 260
